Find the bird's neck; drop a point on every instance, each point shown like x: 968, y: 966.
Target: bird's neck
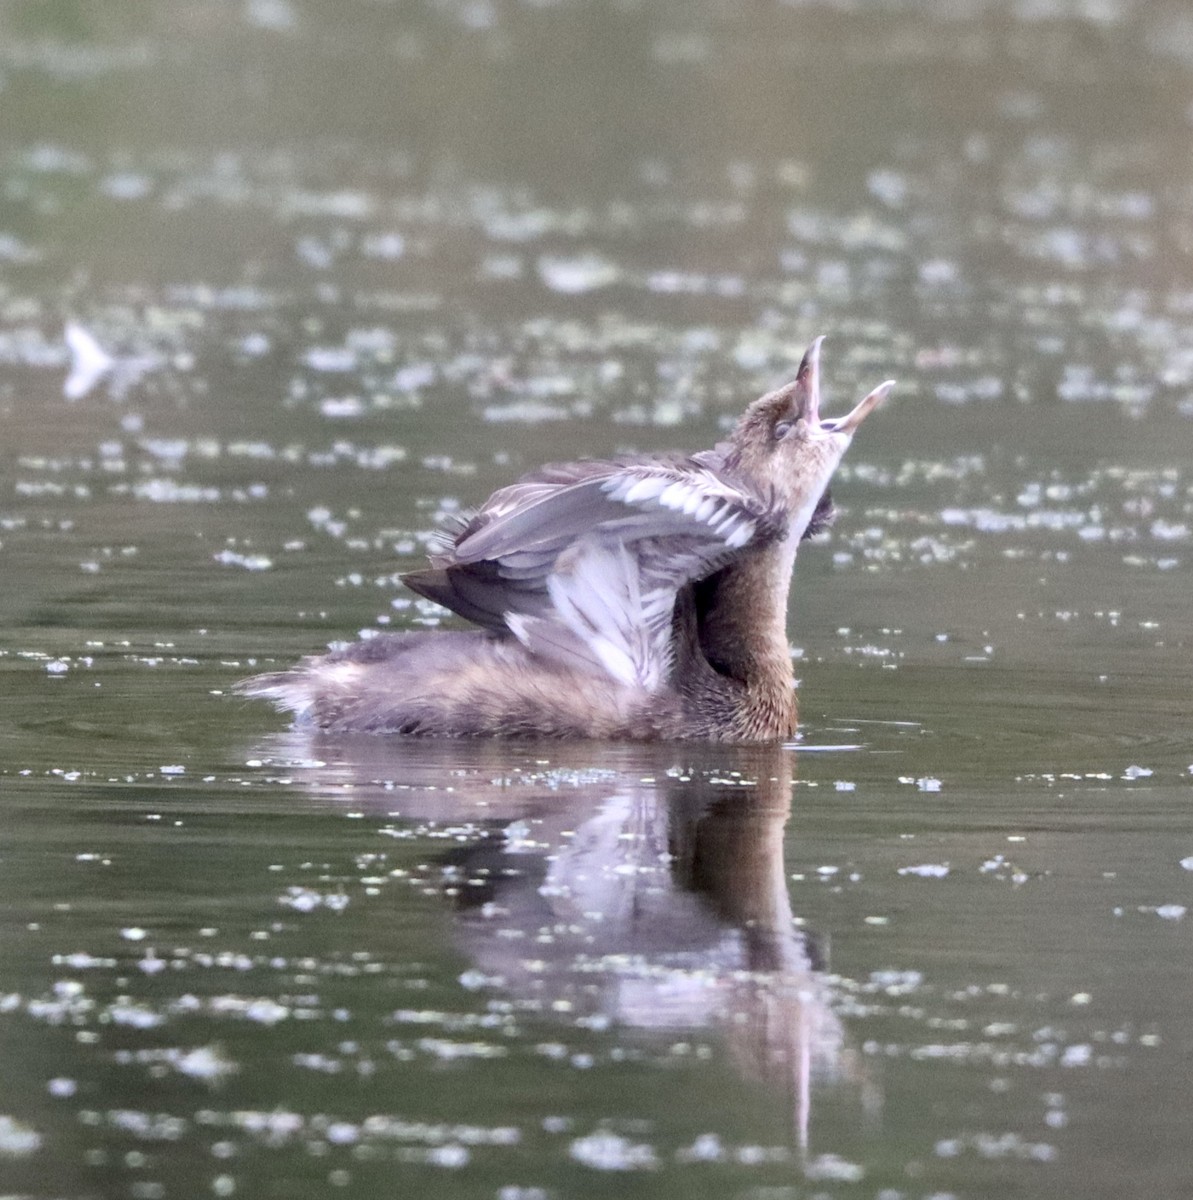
x: 743, y: 635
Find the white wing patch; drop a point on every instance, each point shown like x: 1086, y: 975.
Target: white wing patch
x: 701, y: 496
x: 601, y: 617
x: 612, y: 590
x: 583, y: 566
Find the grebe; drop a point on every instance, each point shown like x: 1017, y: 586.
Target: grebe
x: 639, y: 597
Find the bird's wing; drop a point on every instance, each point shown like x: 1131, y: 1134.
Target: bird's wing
x: 582, y: 561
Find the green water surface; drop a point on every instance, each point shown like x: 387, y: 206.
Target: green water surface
x: 349, y: 267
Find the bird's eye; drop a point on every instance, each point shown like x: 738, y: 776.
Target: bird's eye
x: 782, y: 429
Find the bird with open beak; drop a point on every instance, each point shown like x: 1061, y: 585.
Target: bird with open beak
x: 640, y: 597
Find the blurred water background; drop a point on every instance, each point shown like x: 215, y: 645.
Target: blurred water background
x: 283, y: 285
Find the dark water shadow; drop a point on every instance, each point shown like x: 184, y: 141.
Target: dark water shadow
x: 642, y: 887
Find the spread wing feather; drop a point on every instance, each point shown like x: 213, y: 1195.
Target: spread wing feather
x: 582, y: 561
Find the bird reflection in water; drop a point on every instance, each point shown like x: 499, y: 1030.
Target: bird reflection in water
x: 648, y: 893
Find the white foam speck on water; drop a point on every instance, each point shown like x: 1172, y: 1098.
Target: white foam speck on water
x: 528, y: 411
x: 896, y: 983
x: 169, y: 491
x: 452, y: 1051
x: 330, y: 358
x: 388, y: 246
x: 263, y: 1011
x: 707, y: 1147
x: 343, y: 406
x: 250, y: 562
x: 151, y: 964
x: 603, y: 1151
x: 80, y: 960
x: 16, y: 1138
x: 1077, y: 1056
x: 573, y: 276
x: 450, y: 1156
x: 90, y: 362
x: 828, y: 1167
x: 135, y: 1016
x: 205, y: 1062
x: 306, y: 900
x: 343, y: 1133
x: 996, y: 1146
x: 474, y: 980
x: 927, y: 870
x: 323, y: 1063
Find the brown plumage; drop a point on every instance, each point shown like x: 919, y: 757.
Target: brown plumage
x: 642, y: 597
